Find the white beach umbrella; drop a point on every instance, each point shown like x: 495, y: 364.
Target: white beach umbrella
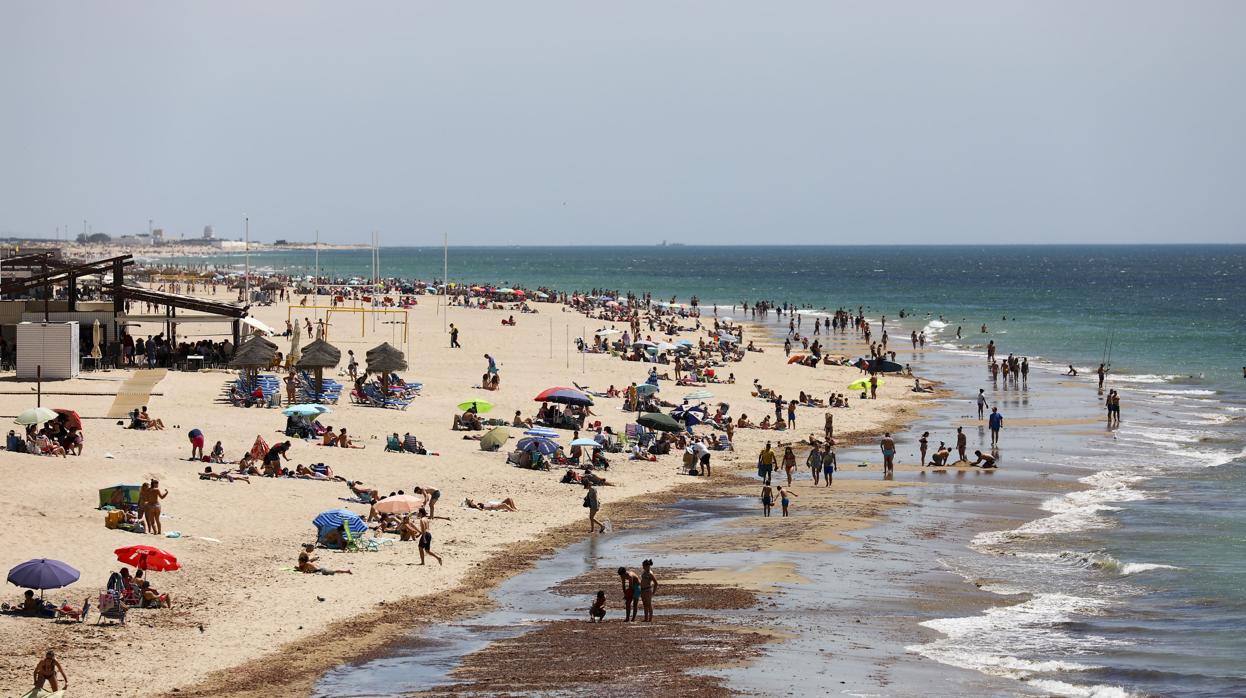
x: 97, y: 338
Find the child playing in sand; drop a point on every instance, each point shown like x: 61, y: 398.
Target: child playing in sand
x: 597, y: 612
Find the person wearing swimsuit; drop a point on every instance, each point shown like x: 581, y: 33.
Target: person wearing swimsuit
x: 631, y: 593
x: 151, y: 508
x: 785, y: 498
x: 46, y: 670
x: 767, y: 500
x: 648, y: 585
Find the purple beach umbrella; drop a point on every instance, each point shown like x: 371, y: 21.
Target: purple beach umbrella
x: 43, y: 574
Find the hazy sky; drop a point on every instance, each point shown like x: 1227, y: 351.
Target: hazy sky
x: 594, y: 122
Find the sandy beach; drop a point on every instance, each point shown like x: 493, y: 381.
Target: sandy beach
x: 236, y: 601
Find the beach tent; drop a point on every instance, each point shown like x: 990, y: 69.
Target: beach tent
x: 131, y: 493
x: 334, y: 518
x: 493, y: 440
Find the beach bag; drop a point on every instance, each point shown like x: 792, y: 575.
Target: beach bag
x: 113, y: 519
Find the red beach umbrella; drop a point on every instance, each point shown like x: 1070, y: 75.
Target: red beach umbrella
x: 72, y: 420
x: 145, y: 557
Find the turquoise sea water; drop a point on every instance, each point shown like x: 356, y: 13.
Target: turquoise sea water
x: 1137, y: 576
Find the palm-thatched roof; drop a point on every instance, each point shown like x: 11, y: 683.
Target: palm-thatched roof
x: 319, y: 354
x: 254, y: 354
x: 386, y: 359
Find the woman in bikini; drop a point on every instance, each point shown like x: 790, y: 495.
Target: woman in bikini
x: 46, y: 671
x: 631, y: 593
x: 789, y: 463
x: 648, y: 585
x: 151, y: 509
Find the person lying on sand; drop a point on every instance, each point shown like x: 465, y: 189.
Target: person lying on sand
x: 507, y: 504
x: 207, y: 474
x: 306, y: 567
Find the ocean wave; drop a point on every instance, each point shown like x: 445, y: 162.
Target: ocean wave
x: 1031, y: 627
x: 1075, y: 511
x: 1067, y: 689
x: 1098, y: 561
x: 1143, y: 377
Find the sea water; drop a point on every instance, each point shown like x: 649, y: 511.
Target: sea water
x: 1132, y: 579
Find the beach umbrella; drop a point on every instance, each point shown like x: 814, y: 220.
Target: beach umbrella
x: 254, y: 353
x: 684, y: 343
x: 271, y: 286
x: 35, y: 415
x: 295, y: 335
x: 318, y: 356
x: 43, y: 574
x: 699, y: 395
x: 646, y: 389
x: 607, y: 332
x: 665, y: 346
x: 726, y: 320
x: 385, y: 360
x: 97, y: 339
x: 481, y: 406
x: 543, y: 432
x: 334, y: 518
x: 145, y: 557
x: 564, y: 396
x: 659, y: 422
x: 586, y: 442
x: 644, y: 343
x: 72, y: 420
x: 400, y: 504
x: 545, y: 447
x: 131, y: 493
x: 863, y: 384
x: 305, y: 410
x: 493, y: 440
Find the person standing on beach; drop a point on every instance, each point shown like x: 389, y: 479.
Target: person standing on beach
x: 594, y: 505
x: 996, y: 422
x: 1102, y: 372
x: 962, y: 443
x: 791, y: 414
x: 151, y: 508
x: 873, y: 386
x: 922, y: 443
x: 1025, y: 369
x: 888, y: 447
x: 648, y: 585
x: 631, y: 593
x: 828, y: 464
x: 785, y: 498
x: 423, y: 525
x: 766, y: 461
x: 767, y: 499
x: 352, y: 364
x: 789, y: 463
x: 814, y: 461
x: 430, y: 495
x: 454, y: 337
x: 828, y: 426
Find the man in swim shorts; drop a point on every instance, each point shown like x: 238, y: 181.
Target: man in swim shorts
x: 888, y: 446
x: 426, y: 537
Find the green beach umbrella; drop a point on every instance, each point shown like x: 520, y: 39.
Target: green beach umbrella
x: 35, y: 415
x: 494, y: 439
x: 659, y: 422
x: 863, y: 384
x: 481, y: 406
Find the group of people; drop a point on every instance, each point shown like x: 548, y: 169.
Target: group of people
x: 55, y: 438
x: 638, y: 591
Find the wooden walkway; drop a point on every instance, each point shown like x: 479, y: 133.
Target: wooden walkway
x: 135, y: 391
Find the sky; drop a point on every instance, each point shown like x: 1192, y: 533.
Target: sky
x: 572, y: 123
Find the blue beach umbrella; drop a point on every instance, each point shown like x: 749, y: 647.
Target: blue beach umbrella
x: 328, y: 520
x: 43, y: 574
x: 542, y: 432
x: 589, y: 443
x: 543, y: 446
x: 305, y: 410
x: 646, y: 389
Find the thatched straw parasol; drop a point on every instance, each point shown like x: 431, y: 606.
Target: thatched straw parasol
x: 318, y: 356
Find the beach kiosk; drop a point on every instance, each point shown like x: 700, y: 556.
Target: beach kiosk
x: 47, y: 348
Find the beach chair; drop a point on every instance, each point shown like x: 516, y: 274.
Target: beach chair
x: 74, y: 614
x: 724, y: 444
x: 111, y: 607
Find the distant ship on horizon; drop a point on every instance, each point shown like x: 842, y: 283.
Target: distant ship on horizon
x: 672, y: 244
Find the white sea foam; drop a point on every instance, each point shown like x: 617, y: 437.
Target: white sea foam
x: 1096, y: 560
x: 1067, y: 689
x: 1075, y: 511
x: 1031, y: 627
